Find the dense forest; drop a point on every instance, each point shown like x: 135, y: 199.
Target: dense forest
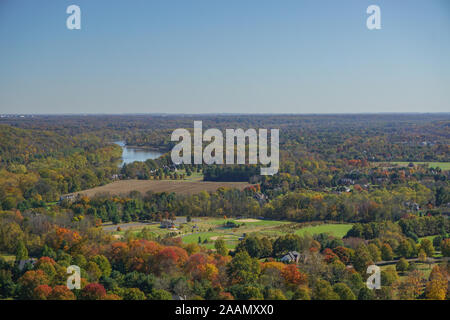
x: 333, y: 168
x: 39, y: 165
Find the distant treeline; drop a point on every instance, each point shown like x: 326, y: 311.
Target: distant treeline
x: 411, y: 226
x: 230, y: 173
x: 38, y: 166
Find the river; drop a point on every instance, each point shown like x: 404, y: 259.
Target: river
x: 131, y: 154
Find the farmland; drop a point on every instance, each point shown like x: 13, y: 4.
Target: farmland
x: 443, y: 165
x: 335, y: 174
x: 337, y: 230
x: 209, y: 230
x: 206, y: 231
x: 124, y: 187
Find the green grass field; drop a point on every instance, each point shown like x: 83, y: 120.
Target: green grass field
x: 8, y: 257
x: 195, y: 176
x: 213, y: 228
x: 337, y: 230
x: 425, y: 268
x: 443, y: 165
x: 154, y: 229
x: 210, y: 229
x: 231, y: 240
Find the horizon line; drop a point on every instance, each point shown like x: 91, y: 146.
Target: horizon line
x: 4, y: 115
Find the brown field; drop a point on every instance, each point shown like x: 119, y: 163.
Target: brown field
x: 124, y: 187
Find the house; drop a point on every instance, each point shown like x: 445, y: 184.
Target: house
x: 23, y: 263
x: 292, y: 256
x: 70, y: 197
x: 412, y: 206
x: 167, y: 224
x: 347, y: 181
x: 341, y: 189
x: 260, y: 197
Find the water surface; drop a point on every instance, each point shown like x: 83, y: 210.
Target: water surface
x: 131, y: 154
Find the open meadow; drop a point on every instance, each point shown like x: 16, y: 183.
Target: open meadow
x: 205, y: 231
x: 443, y: 165
x: 337, y: 230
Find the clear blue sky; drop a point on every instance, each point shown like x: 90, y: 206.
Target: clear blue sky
x: 227, y: 56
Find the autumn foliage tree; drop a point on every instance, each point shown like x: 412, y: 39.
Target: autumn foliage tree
x: 169, y: 259
x: 93, y: 291
x: 411, y: 287
x: 343, y: 253
x: 32, y: 279
x: 292, y: 275
x: 445, y: 247
x: 437, y: 285
x: 61, y: 292
x: 42, y: 292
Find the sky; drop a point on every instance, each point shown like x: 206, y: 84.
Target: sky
x: 224, y: 56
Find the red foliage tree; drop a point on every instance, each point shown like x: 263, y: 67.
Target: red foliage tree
x: 195, y: 261
x: 292, y: 275
x: 329, y: 255
x: 61, y: 293
x: 43, y: 260
x: 134, y: 255
x: 62, y: 238
x: 343, y: 253
x: 32, y: 279
x: 93, y: 291
x: 170, y: 258
x: 42, y: 292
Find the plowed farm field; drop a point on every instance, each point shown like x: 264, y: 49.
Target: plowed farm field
x: 124, y: 187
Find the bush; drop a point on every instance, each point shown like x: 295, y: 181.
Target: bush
x: 160, y: 294
x: 133, y: 294
x: 344, y: 292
